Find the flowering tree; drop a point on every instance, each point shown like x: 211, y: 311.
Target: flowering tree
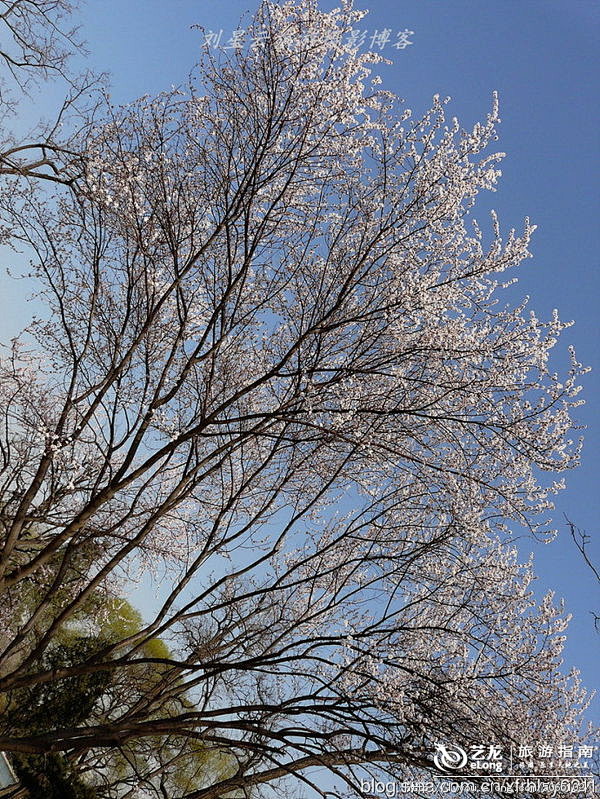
x: 274, y: 374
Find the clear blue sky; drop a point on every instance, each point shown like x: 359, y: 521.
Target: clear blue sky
x: 539, y: 55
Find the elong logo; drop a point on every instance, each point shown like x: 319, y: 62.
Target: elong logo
x: 449, y: 758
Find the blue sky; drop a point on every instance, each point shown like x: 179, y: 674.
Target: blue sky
x: 539, y: 55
